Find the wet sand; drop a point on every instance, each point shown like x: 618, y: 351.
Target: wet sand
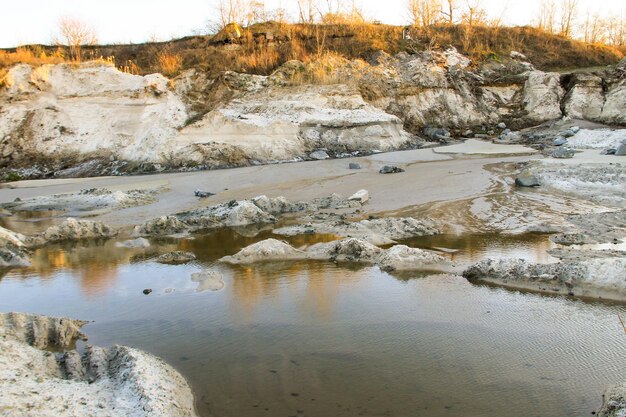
x: 429, y: 177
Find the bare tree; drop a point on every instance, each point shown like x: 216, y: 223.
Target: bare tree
x: 475, y: 13
x: 231, y: 11
x: 450, y: 7
x: 75, y: 34
x: 616, y: 31
x: 424, y: 12
x: 569, y: 9
x: 306, y: 11
x: 595, y: 28
x: 546, y: 16
x: 255, y: 12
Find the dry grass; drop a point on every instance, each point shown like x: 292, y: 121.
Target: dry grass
x: 262, y: 48
x: 32, y: 55
x: 169, y: 63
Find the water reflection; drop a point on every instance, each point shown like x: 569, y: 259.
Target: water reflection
x: 317, y: 338
x: 471, y: 248
x: 30, y: 222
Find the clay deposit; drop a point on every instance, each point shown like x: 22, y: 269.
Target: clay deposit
x: 116, y: 381
x: 598, y: 277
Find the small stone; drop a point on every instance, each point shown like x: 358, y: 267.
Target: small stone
x: 621, y: 149
x: 468, y: 133
x: 390, y: 169
x: 203, y: 194
x: 559, y: 141
x: 354, y: 165
x: 361, y: 196
x: 610, y: 151
x: 319, y: 155
x: 501, y: 125
x: 567, y: 133
x: 147, y: 291
x: 526, y: 179
x: 177, y: 257
x: 563, y: 153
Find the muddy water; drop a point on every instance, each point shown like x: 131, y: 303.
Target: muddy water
x: 321, y: 339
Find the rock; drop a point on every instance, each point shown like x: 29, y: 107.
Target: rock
x: 208, y: 280
x: 266, y: 250
x: 176, y: 257
x: 354, y: 165
x: 568, y: 133
x: 161, y: 226
x: 610, y: 151
x: 518, y: 55
x: 542, y: 96
x: 468, y: 133
x: 614, y: 402
x: 319, y: 155
x: 13, y: 251
x: 401, y: 257
x: 277, y: 206
x: 390, y: 169
x: 563, y: 153
x: 73, y: 229
x: 621, y: 149
x: 203, y: 194
x: 437, y: 133
x: 361, y: 196
x: 559, y: 141
x: 351, y: 250
x: 134, y: 243
x: 527, y: 179
x: 502, y: 125
x: 147, y: 291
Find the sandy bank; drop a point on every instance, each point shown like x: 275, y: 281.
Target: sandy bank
x: 115, y: 381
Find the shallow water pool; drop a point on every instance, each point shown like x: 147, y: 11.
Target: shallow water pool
x: 321, y: 339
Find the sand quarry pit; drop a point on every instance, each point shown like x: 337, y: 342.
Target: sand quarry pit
x: 279, y: 263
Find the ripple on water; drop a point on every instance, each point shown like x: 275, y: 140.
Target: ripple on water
x: 328, y: 339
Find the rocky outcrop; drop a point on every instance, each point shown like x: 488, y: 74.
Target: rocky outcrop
x: 41, y: 331
x: 599, y: 277
x: 118, y: 381
x: 598, y: 97
x: 376, y: 231
x: 267, y: 250
x: 257, y: 211
x: 73, y: 229
x: 13, y: 250
x: 61, y: 116
x: 398, y: 257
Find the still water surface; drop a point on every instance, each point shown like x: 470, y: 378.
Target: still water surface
x: 319, y: 339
